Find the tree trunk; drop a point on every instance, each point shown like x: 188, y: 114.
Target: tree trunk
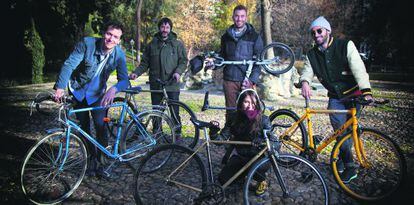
x: 138, y: 32
x: 271, y: 84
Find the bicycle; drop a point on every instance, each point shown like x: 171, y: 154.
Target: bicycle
x: 55, y: 166
x: 275, y: 58
x: 182, y: 124
x: 380, y: 163
x: 183, y: 178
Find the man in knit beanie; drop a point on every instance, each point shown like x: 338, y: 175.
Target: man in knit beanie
x: 340, y: 69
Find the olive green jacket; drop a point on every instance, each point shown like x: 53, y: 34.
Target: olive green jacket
x: 163, y: 58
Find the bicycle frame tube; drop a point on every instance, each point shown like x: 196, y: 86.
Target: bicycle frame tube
x: 74, y: 125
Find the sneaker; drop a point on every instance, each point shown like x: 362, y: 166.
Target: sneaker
x: 103, y: 174
x: 349, y: 174
x: 340, y: 166
x: 261, y: 188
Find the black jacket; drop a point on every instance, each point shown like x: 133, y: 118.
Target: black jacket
x: 248, y: 45
x: 241, y: 133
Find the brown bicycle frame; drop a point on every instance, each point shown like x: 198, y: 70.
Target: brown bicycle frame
x: 207, y: 145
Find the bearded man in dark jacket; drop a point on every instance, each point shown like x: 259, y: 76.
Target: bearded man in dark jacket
x: 239, y: 42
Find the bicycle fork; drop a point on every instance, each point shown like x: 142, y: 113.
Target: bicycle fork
x: 279, y: 176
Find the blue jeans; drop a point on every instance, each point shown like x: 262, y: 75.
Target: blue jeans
x: 337, y: 120
x: 101, y: 132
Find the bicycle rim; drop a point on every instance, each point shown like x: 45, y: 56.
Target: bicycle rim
x: 282, y: 120
x: 279, y: 56
x: 154, y: 188
x: 136, y: 138
x: 385, y: 171
x: 302, y: 180
x: 41, y: 180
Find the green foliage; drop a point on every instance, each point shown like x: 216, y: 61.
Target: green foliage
x: 92, y: 26
x: 34, y: 46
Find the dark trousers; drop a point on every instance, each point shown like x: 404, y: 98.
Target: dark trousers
x: 101, y: 132
x: 156, y: 100
x: 337, y: 120
x: 235, y: 163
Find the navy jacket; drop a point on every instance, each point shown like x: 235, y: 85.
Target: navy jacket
x: 248, y: 45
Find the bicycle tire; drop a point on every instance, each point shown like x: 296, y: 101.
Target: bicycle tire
x: 185, y: 129
x: 282, y: 120
x: 41, y: 180
x: 133, y: 137
x: 387, y: 168
x: 302, y: 177
x: 154, y: 188
x: 281, y: 56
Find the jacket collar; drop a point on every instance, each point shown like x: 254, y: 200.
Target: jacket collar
x: 249, y: 29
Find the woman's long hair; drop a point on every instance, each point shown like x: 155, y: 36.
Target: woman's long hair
x: 241, y: 124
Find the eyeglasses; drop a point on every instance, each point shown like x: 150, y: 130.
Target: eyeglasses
x: 319, y: 31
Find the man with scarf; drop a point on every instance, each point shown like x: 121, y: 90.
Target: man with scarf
x: 239, y: 42
x: 165, y: 58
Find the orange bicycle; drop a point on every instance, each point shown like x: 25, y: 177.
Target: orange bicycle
x: 380, y: 164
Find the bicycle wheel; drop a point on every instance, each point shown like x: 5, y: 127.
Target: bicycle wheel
x: 282, y: 120
x: 386, y: 166
x: 277, y: 58
x: 175, y: 182
x: 186, y: 132
x: 299, y: 180
x: 45, y: 104
x: 114, y: 113
x: 156, y: 125
x: 42, y: 180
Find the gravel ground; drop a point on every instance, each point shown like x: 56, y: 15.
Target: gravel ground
x: 19, y: 131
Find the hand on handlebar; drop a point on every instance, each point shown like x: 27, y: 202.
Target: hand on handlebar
x: 209, y: 63
x: 133, y: 76
x: 59, y: 93
x: 177, y: 77
x: 306, y: 90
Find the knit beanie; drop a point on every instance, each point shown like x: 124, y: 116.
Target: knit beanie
x: 321, y: 22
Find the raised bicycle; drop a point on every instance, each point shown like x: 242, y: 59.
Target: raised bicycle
x: 55, y: 166
x: 184, y: 179
x: 381, y: 167
x: 276, y: 58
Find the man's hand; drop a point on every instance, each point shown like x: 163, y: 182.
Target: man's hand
x: 209, y: 63
x: 306, y: 90
x: 59, y: 93
x: 177, y: 77
x: 369, y: 98
x: 246, y: 84
x: 133, y: 76
x: 109, y: 96
x: 257, y: 142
